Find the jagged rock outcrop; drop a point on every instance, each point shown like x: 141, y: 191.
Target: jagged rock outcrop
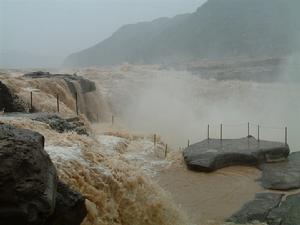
x: 60, y: 124
x: 30, y: 193
x: 28, y: 179
x: 213, y: 154
x: 258, y: 209
x: 282, y: 175
x: 9, y: 102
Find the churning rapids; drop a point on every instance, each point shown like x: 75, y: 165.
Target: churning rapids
x: 124, y: 176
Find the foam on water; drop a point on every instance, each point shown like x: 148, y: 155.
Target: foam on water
x: 116, y: 191
x: 116, y: 172
x: 178, y: 105
x: 139, y: 152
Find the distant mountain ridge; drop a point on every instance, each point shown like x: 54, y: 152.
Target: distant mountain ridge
x: 218, y: 29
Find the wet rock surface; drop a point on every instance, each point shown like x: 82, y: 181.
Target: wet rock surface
x: 270, y: 208
x: 70, y: 207
x: 282, y: 175
x: 85, y: 84
x: 258, y: 209
x: 60, y: 124
x: 288, y: 213
x: 9, y: 102
x: 28, y: 178
x: 210, y: 155
x: 30, y: 193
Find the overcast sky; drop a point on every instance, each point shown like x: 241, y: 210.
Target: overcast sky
x: 55, y: 28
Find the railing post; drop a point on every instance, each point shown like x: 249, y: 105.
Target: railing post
x: 248, y: 129
x: 57, y: 102
x: 31, y: 104
x: 154, y: 140
x: 286, y: 135
x: 166, y: 151
x: 258, y: 133
x: 76, y: 99
x: 208, y: 132
x: 221, y: 132
x: 188, y: 143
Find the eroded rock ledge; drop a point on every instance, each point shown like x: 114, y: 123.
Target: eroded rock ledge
x: 60, y: 124
x: 212, y: 154
x: 85, y: 84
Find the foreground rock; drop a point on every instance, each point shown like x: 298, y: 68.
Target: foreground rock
x: 213, y: 154
x: 28, y: 178
x: 282, y: 175
x: 258, y: 209
x: 271, y: 209
x: 288, y: 213
x: 69, y: 209
x: 60, y: 124
x: 29, y: 190
x: 9, y: 102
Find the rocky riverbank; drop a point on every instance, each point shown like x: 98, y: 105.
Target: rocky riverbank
x: 280, y: 171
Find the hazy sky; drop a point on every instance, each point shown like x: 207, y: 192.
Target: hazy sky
x: 55, y: 28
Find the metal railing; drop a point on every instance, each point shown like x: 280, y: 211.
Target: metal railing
x: 248, y: 127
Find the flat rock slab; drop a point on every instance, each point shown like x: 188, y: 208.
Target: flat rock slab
x: 288, y: 213
x: 282, y: 175
x: 60, y: 124
x: 213, y: 154
x: 258, y: 209
x: 55, y: 121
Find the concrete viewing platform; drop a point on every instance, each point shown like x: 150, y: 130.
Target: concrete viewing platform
x: 212, y: 154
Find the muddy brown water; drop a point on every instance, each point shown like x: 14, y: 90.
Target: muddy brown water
x: 210, y: 196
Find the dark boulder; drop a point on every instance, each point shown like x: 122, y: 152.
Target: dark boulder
x: 5, y: 98
x: 282, y: 175
x: 30, y: 193
x: 213, y: 154
x: 288, y: 213
x: 258, y: 209
x: 10, y: 102
x: 28, y: 178
x: 60, y: 124
x: 70, y: 207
